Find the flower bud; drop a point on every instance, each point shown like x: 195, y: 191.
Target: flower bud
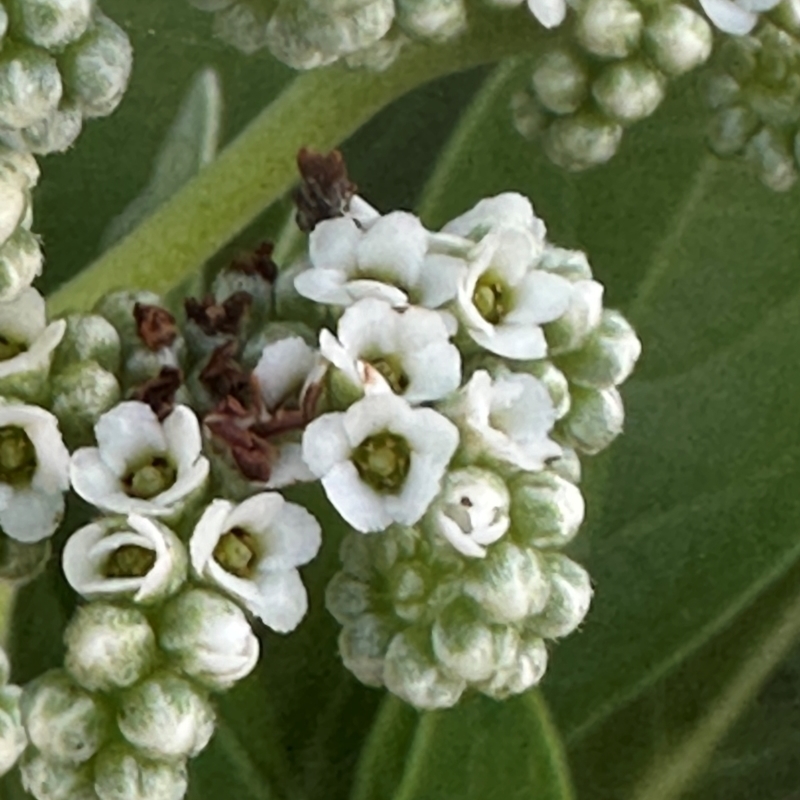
x: 53, y: 780
x: 567, y: 465
x: 347, y: 598
x: 629, y: 91
x: 21, y: 262
x: 81, y: 394
x: 560, y: 81
x: 581, y: 141
x: 524, y: 671
x: 554, y: 381
x: 88, y: 337
x: 546, y: 510
x: 438, y: 20
x: 209, y: 638
x: 12, y: 732
x: 54, y: 133
x: 773, y: 159
x: 570, y: 597
x: 242, y: 24
x: 120, y: 773
x: 678, y: 39
x: 290, y: 304
x: 595, y: 419
x: 609, y: 28
x: 363, y: 644
x: 411, y: 672
x: 582, y: 316
x: 462, y: 643
x: 608, y: 357
x: 96, y: 69
x: 108, y: 647
x: 30, y: 86
x: 22, y: 562
x: 135, y: 558
x: 166, y: 718
x: 730, y: 130
x: 51, y: 24
x: 508, y: 584
x: 117, y: 307
x: 64, y: 722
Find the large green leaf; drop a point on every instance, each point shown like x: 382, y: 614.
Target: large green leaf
x: 694, y: 511
x: 480, y: 750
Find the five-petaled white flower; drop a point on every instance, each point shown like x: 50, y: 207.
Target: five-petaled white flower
x: 392, y: 258
x: 252, y: 551
x: 738, y: 17
x: 34, y: 472
x: 405, y: 351
x: 381, y: 461
x: 141, y: 465
x: 137, y: 558
x: 505, y: 421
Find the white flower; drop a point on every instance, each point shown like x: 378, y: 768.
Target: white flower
x: 390, y: 258
x: 141, y: 465
x: 34, y: 472
x: 508, y: 210
x: 738, y: 17
x: 472, y: 511
x: 505, y: 421
x: 27, y: 342
x: 381, y: 461
x: 252, y: 551
x: 209, y: 637
x: 405, y: 351
x: 138, y: 559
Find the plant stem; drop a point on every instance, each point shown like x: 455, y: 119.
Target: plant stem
x: 319, y: 109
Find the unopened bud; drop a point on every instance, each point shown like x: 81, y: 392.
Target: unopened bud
x: 21, y: 262
x: 595, y: 419
x: 89, y: 337
x: 53, y: 780
x: 120, y: 773
x: 772, y: 158
x: 54, y: 133
x: 678, y: 39
x: 609, y: 28
x: 570, y: 597
x: 347, y: 598
x: 438, y: 20
x: 30, y: 86
x: 560, y: 81
x: 581, y: 141
x: 546, y: 510
x: 629, y: 91
x: 524, y: 671
x: 12, y: 732
x: 22, y: 562
x: 582, y: 316
x: 462, y: 643
x: 242, y: 24
x: 51, y: 24
x: 730, y: 130
x: 363, y: 644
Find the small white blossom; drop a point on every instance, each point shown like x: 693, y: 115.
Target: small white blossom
x: 550, y: 13
x: 34, y: 472
x: 505, y: 421
x: 381, y: 461
x: 472, y: 510
x: 391, y: 258
x: 136, y: 558
x: 384, y: 349
x: 509, y: 210
x: 738, y: 17
x: 252, y: 551
x: 141, y: 465
x: 209, y: 638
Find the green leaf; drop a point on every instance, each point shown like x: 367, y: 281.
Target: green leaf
x: 694, y: 511
x: 479, y: 750
x: 191, y: 143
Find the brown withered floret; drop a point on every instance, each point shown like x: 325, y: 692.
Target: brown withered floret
x: 155, y: 325
x: 259, y: 262
x: 159, y: 392
x: 223, y: 376
x: 214, y: 318
x: 325, y: 189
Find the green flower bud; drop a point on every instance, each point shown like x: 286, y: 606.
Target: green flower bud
x: 581, y: 141
x: 555, y: 382
x: 720, y: 89
x: 347, y: 598
x: 730, y: 130
x: 80, y: 395
x: 438, y: 20
x: 21, y: 262
x: 583, y: 315
x: 51, y: 24
x: 355, y: 555
x: 64, y: 722
x: 54, y: 133
x: 523, y: 671
x: 570, y: 597
x: 12, y: 732
x: 117, y: 308
x: 22, y: 562
x: 508, y: 584
x: 546, y: 510
x: 30, y: 86
x: 412, y: 673
x: 678, y: 39
x: 594, y: 421
x: 629, y: 91
x: 166, y: 718
x: 242, y: 24
x: 560, y: 81
x: 567, y: 465
x: 120, y: 773
x: 608, y: 357
x: 363, y: 644
x: 773, y: 160
x: 291, y: 305
x: 52, y: 780
x: 108, y: 647
x: 380, y: 55
x: 528, y: 116
x: 96, y: 69
x: 609, y: 28
x: 89, y: 337
x: 462, y: 643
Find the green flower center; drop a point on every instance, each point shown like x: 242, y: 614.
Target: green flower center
x: 391, y: 369
x: 492, y: 298
x: 17, y: 456
x: 10, y: 348
x: 383, y: 462
x: 237, y: 552
x: 150, y: 479
x: 130, y: 561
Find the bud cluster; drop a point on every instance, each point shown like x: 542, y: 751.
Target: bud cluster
x: 614, y: 72
x: 753, y: 91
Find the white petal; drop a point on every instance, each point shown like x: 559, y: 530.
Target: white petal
x: 282, y: 600
x: 332, y: 245
x: 282, y: 369
x: 325, y: 443
x: 130, y: 432
x: 207, y: 533
x: 30, y: 516
x: 461, y: 541
x: 357, y: 503
x: 393, y: 249
x: 439, y: 279
x: 363, y: 288
x: 508, y: 210
x: 539, y: 298
x: 288, y: 467
x: 24, y: 318
x: 758, y: 5
x: 92, y: 478
x: 256, y: 514
x: 729, y: 17
x: 186, y: 482
x: 52, y: 456
x: 550, y: 13
x: 332, y: 351
x: 368, y: 325
x: 39, y: 354
x: 323, y: 286
x: 291, y: 540
x: 184, y: 442
x: 513, y: 341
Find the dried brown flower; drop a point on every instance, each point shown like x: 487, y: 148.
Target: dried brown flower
x: 155, y: 325
x: 325, y: 189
